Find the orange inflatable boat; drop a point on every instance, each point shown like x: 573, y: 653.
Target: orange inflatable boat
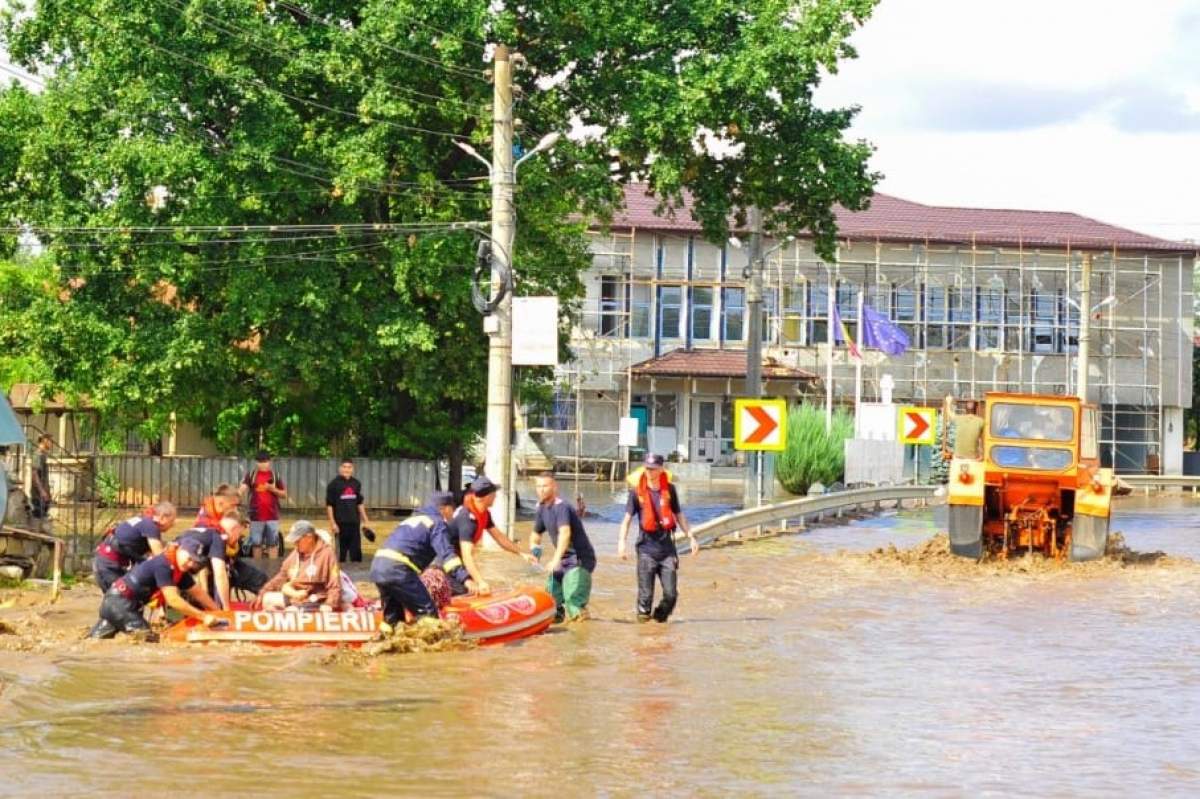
x: 498, y: 618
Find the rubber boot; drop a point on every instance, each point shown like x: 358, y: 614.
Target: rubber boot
x: 103, y: 630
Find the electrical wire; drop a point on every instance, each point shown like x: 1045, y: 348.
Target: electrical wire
x: 246, y: 35
x: 458, y: 71
x: 16, y: 73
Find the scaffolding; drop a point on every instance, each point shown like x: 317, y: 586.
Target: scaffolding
x: 979, y: 318
x: 997, y: 319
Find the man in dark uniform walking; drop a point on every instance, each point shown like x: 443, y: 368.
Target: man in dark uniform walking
x: 654, y: 502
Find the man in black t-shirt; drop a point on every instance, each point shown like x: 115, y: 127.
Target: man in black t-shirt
x: 574, y: 559
x: 654, y: 502
x: 347, y: 511
x: 40, y: 498
x: 467, y: 527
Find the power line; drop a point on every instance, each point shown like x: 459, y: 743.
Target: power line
x: 334, y: 227
x: 246, y: 35
x: 295, y: 98
x: 458, y: 71
x: 16, y: 73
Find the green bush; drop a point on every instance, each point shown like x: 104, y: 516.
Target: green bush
x: 813, y: 455
x: 108, y: 487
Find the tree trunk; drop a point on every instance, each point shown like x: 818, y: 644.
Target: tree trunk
x: 456, y: 456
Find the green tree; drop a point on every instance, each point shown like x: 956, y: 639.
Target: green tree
x: 168, y: 128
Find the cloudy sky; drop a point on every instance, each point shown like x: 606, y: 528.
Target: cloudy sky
x: 1090, y: 106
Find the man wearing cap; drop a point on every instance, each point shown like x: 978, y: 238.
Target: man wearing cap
x: 467, y: 527
x: 228, y: 570
x: 130, y: 542
x: 158, y: 580
x: 654, y: 502
x: 574, y: 559
x: 265, y: 490
x: 309, y: 575
x: 415, y: 543
x: 347, y: 512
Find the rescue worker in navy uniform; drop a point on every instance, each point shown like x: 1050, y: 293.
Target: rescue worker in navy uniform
x: 228, y: 570
x: 130, y: 542
x: 413, y: 545
x: 654, y: 502
x: 467, y: 526
x: 160, y: 580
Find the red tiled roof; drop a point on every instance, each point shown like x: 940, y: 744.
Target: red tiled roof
x: 893, y: 219
x: 24, y: 396
x: 713, y: 363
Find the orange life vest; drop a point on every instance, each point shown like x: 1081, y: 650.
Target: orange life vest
x: 479, y: 513
x: 208, y: 516
x: 172, y: 556
x: 662, y: 520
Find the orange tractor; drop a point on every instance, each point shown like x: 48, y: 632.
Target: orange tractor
x: 1039, y: 486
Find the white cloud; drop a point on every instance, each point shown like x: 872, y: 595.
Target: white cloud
x: 1077, y: 105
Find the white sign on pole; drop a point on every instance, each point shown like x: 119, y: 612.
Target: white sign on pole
x: 627, y: 434
x: 535, y: 331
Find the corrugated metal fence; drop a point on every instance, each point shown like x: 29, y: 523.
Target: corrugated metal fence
x: 186, y: 480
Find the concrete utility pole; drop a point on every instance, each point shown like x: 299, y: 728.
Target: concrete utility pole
x: 1085, y: 337
x: 754, y: 334
x: 499, y: 324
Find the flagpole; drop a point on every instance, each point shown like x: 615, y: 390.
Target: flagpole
x: 829, y: 296
x: 858, y: 364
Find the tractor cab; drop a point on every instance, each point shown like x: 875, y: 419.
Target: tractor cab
x: 1039, y: 485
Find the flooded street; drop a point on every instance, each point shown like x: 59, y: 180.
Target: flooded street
x: 791, y: 667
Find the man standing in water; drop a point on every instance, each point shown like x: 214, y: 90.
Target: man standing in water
x: 655, y: 503
x: 574, y: 559
x: 467, y: 528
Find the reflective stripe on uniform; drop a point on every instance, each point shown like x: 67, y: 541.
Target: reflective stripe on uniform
x: 399, y: 557
x: 451, y: 564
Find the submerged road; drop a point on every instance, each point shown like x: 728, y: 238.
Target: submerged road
x: 792, y: 667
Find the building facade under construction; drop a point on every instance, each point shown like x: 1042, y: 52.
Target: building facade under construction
x: 989, y: 300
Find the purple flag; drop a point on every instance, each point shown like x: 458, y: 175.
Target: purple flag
x: 881, y: 334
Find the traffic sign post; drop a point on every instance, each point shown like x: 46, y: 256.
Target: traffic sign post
x: 918, y: 425
x: 760, y: 424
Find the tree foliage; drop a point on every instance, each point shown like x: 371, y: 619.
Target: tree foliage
x: 162, y: 116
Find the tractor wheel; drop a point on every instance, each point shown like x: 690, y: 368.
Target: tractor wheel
x: 966, y: 531
x: 1089, y: 537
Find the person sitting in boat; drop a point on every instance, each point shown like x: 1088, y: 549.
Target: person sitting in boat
x: 229, y: 571
x: 308, y: 576
x: 574, y: 558
x: 213, y: 508
x: 130, y: 542
x: 159, y: 580
x: 416, y: 543
x: 472, y: 519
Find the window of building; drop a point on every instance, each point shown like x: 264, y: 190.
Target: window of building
x: 1041, y: 314
x: 561, y: 415
x: 905, y: 310
x: 989, y: 311
x: 792, y: 331
x: 936, y: 336
x: 818, y: 310
x: 770, y: 312
x: 670, y: 312
x: 958, y: 304
x: 1068, y: 319
x: 847, y: 307
x: 612, y: 306
x: 639, y: 310
x: 734, y: 314
x: 664, y: 410
x: 702, y: 313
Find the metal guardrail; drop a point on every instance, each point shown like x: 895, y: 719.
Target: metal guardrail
x: 1147, y: 482
x: 805, y: 507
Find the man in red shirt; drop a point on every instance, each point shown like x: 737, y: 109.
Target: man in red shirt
x: 265, y: 489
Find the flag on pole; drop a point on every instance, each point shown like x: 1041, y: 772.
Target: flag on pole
x: 880, y: 333
x: 841, y: 334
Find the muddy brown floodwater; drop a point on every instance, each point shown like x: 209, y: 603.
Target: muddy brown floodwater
x: 817, y: 664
